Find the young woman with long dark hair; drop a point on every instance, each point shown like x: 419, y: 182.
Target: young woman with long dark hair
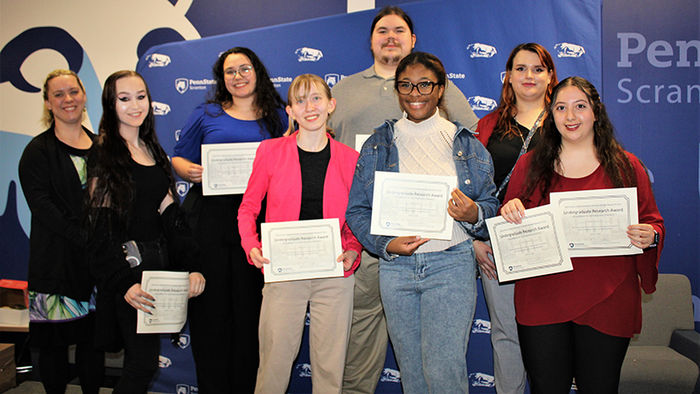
x: 244, y: 107
x: 131, y: 199
x: 578, y: 324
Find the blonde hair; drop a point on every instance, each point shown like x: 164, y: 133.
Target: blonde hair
x: 298, y: 90
x: 47, y: 117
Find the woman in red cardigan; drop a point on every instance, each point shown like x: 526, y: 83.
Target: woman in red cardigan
x: 305, y: 175
x: 578, y: 324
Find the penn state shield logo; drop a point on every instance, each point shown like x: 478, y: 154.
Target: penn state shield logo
x: 181, y: 85
x: 331, y: 79
x: 182, y: 188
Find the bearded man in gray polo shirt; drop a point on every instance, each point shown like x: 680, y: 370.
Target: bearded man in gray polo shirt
x: 364, y: 101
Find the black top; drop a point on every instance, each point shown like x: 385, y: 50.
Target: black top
x: 504, y: 152
x: 313, y: 175
x: 150, y: 188
x: 54, y: 193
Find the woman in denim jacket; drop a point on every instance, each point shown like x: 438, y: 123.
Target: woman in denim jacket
x: 428, y: 287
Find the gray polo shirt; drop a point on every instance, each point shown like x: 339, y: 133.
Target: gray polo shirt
x: 366, y: 100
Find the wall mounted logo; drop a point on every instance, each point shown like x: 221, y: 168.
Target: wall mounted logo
x: 481, y: 50
x: 503, y: 76
x: 164, y: 362
x: 480, y: 103
x: 481, y: 326
x: 157, y: 60
x: 177, y: 134
x: 303, y: 370
x: 186, y: 389
x: 390, y: 375
x: 305, y: 54
x: 479, y: 379
x: 183, y: 340
x: 565, y: 49
x: 278, y: 81
x: 331, y: 79
x: 182, y: 188
x: 160, y: 108
x: 182, y: 84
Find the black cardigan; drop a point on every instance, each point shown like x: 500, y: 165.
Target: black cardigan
x: 51, y: 186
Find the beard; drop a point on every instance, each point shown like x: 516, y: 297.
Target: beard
x: 390, y: 59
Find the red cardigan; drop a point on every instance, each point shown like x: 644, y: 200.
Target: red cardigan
x: 601, y: 292
x: 277, y: 174
x: 485, y: 127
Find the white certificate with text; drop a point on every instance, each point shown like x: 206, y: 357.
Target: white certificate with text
x: 170, y: 289
x: 303, y: 249
x: 532, y: 248
x: 412, y: 204
x: 595, y: 221
x: 227, y: 167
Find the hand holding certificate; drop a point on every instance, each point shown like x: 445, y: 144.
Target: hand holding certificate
x: 596, y: 221
x: 170, y: 292
x: 534, y: 247
x: 412, y: 204
x: 227, y: 167
x: 304, y: 249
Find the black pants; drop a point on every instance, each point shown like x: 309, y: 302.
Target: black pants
x: 52, y: 341
x: 555, y: 353
x: 54, y: 368
x: 140, y: 352
x: 224, y: 318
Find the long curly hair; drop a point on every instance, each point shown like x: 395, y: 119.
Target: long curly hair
x: 507, y: 108
x: 109, y: 174
x: 545, y: 159
x: 267, y: 100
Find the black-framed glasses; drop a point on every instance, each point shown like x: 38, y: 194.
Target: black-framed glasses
x: 424, y: 87
x: 242, y: 71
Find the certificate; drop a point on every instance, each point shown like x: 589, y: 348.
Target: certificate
x: 412, y: 204
x: 170, y: 290
x: 595, y: 221
x: 360, y: 140
x: 303, y: 249
x: 227, y: 167
x: 535, y: 247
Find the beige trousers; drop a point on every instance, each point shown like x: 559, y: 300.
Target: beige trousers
x: 281, y: 327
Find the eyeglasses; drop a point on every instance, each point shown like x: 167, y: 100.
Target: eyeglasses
x: 242, y: 71
x: 424, y: 88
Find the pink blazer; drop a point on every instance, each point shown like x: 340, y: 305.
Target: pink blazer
x: 277, y: 174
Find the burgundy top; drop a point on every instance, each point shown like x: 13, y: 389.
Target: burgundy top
x: 600, y: 292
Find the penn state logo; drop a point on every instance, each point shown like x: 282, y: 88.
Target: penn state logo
x: 331, y: 79
x: 305, y: 54
x: 503, y: 76
x: 478, y: 49
x: 186, y: 389
x: 183, y: 341
x: 303, y: 370
x: 182, y: 187
x: 481, y: 326
x: 160, y: 108
x: 181, y: 85
x: 177, y: 134
x: 479, y: 379
x: 565, y: 49
x: 157, y: 60
x: 390, y: 375
x: 480, y: 103
x: 164, y: 362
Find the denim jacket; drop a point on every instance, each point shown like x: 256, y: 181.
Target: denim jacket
x: 379, y: 153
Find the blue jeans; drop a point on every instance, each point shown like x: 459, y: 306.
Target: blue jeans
x: 429, y: 301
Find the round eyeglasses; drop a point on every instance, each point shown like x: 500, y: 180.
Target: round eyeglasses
x: 242, y: 71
